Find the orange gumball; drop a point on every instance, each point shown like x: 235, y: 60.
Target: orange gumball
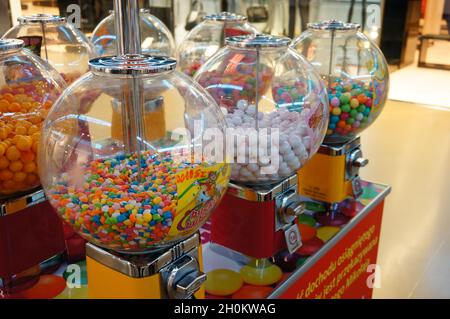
x: 29, y: 167
x: 21, y: 130
x: 4, y: 163
x: 27, y: 157
x: 24, y: 143
x: 15, y: 166
x: 306, y: 232
x: 19, y: 176
x: 5, y: 175
x: 12, y: 153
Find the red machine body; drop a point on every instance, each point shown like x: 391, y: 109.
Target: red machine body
x: 30, y: 233
x: 248, y: 218
x: 247, y: 227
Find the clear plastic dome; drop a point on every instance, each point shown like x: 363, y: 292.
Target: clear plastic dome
x: 58, y: 42
x: 208, y: 37
x: 28, y: 88
x: 270, y: 91
x: 156, y: 38
x: 118, y: 153
x: 355, y: 71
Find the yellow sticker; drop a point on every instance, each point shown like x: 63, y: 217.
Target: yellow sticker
x: 199, y: 191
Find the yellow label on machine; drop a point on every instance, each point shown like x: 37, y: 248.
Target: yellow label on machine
x: 323, y: 178
x: 199, y: 191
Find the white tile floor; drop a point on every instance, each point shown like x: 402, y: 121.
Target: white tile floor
x: 409, y: 149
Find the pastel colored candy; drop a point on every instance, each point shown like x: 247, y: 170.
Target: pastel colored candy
x: 109, y: 207
x: 261, y: 272
x: 223, y: 282
x: 349, y: 99
x: 325, y: 233
x: 310, y: 247
x: 293, y: 151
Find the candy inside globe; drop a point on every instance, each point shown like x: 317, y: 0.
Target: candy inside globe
x: 120, y: 164
x: 156, y: 38
x: 355, y: 71
x: 275, y: 104
x: 28, y: 89
x: 208, y: 37
x: 55, y: 40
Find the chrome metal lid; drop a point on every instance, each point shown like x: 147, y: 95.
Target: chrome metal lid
x: 132, y: 64
x: 41, y: 18
x: 225, y: 16
x: 258, y: 41
x: 7, y: 45
x: 142, y: 10
x: 333, y: 25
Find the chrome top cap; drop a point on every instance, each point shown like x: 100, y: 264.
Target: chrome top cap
x: 7, y: 45
x: 226, y: 17
x: 333, y: 25
x: 142, y: 10
x: 41, y: 18
x: 132, y: 64
x: 258, y: 41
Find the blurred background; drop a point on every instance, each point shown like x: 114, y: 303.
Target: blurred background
x: 408, y: 146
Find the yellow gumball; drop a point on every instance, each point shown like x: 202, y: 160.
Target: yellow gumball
x: 325, y: 233
x: 261, y: 272
x: 223, y: 282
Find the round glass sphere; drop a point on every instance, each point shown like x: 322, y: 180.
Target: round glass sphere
x: 55, y: 40
x: 28, y: 88
x: 274, y: 101
x: 355, y: 71
x: 118, y: 155
x: 208, y: 37
x: 156, y: 38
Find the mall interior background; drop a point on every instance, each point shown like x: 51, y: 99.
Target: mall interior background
x: 409, y: 146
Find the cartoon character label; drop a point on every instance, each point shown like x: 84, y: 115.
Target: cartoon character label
x: 199, y: 191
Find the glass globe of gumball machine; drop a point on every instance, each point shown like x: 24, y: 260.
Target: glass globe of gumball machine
x: 55, y: 40
x: 276, y: 107
x: 208, y: 37
x: 156, y: 38
x: 138, y: 196
x: 357, y: 78
x: 29, y: 229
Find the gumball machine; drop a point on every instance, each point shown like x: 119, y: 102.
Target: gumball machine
x: 55, y: 40
x: 139, y: 196
x: 208, y: 37
x: 357, y: 78
x: 276, y: 108
x: 30, y: 231
x: 156, y: 38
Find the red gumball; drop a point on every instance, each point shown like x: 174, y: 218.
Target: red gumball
x: 48, y: 287
x: 252, y: 292
x: 310, y: 247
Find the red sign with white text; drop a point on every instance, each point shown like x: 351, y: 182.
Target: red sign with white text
x: 344, y: 272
